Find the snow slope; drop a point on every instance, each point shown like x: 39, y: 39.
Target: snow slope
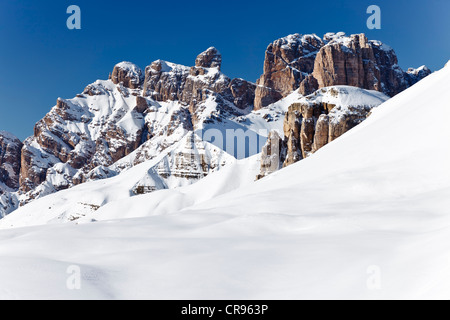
x: 366, y: 217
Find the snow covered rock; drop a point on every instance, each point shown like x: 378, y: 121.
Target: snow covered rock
x: 136, y: 117
x: 415, y: 75
x: 127, y: 73
x: 211, y: 58
x: 315, y: 120
x: 127, y: 120
x: 308, y: 63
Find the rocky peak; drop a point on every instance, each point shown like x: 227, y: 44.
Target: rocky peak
x: 287, y: 61
x: 308, y: 63
x: 193, y: 86
x: 127, y: 73
x: 211, y: 58
x: 356, y: 61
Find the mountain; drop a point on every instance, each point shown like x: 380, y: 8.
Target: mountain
x: 131, y: 118
x: 308, y: 63
x: 192, y: 121
x: 315, y: 120
x: 364, y: 217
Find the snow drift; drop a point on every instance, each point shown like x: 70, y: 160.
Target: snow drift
x: 365, y: 217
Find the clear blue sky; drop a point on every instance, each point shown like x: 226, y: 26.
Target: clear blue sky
x: 43, y: 60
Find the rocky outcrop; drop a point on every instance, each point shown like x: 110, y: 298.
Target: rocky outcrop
x: 211, y: 58
x: 164, y: 81
x: 127, y: 73
x: 243, y: 93
x: 193, y: 86
x: 287, y: 62
x: 10, y: 151
x: 321, y: 132
x: 273, y: 155
x: 318, y: 119
x: 308, y: 63
x: 358, y: 62
x: 415, y: 75
x: 324, y: 116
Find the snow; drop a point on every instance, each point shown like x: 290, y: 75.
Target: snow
x: 167, y: 66
x: 9, y: 136
x: 64, y: 205
x: 381, y: 45
x: 370, y: 207
x: 133, y: 71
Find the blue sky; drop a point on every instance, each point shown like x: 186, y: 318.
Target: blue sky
x: 43, y: 60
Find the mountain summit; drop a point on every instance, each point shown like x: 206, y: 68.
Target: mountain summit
x: 307, y: 63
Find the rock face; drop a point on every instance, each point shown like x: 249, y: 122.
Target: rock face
x: 211, y: 58
x: 318, y: 119
x: 243, y: 93
x: 308, y: 63
x: 415, y: 75
x: 10, y: 152
x: 273, y: 155
x: 358, y: 62
x: 287, y: 62
x: 193, y: 86
x: 127, y: 73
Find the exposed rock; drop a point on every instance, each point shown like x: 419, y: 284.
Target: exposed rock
x: 358, y: 62
x: 321, y: 135
x: 164, y: 80
x: 273, y: 155
x: 265, y: 96
x: 10, y: 152
x: 287, y: 61
x: 324, y: 116
x: 243, y: 92
x: 307, y: 136
x: 319, y: 118
x: 308, y: 85
x: 308, y: 63
x: 293, y: 151
x: 415, y: 75
x: 128, y: 74
x: 34, y: 166
x: 211, y: 58
x: 141, y: 104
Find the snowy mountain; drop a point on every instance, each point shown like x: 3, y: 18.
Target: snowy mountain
x: 308, y: 63
x: 131, y: 118
x: 364, y: 217
x: 192, y: 121
x: 315, y: 120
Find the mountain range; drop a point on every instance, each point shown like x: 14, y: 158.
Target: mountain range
x: 183, y: 123
x: 363, y: 217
